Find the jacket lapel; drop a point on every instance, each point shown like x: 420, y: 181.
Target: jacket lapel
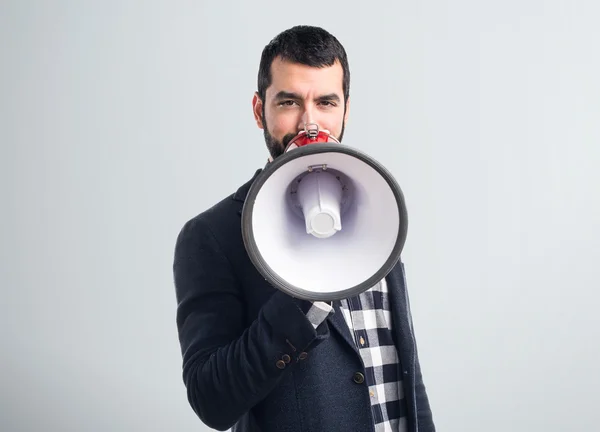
x: 401, y: 319
x: 338, y: 322
x: 400, y: 311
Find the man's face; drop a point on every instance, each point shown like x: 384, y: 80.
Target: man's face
x: 300, y: 94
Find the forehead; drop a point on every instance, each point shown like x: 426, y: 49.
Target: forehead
x: 305, y: 80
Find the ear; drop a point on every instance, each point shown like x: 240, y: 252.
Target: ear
x: 347, y: 112
x: 257, y: 109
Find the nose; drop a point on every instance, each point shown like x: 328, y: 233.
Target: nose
x: 307, y: 117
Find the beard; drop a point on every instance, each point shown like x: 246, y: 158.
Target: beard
x: 277, y: 148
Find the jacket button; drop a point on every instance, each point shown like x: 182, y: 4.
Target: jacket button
x: 286, y: 358
x: 358, y: 378
x: 280, y: 364
x: 302, y: 356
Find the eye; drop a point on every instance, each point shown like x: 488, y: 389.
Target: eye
x: 328, y: 103
x: 286, y: 103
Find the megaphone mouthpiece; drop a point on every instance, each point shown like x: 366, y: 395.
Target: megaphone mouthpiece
x: 320, y: 196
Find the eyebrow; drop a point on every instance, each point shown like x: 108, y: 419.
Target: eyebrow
x: 290, y: 95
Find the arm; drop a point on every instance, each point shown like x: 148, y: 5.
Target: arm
x: 227, y: 366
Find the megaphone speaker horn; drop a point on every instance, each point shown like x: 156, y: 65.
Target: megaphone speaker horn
x: 324, y: 222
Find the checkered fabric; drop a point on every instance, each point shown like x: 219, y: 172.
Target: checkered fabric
x: 317, y: 312
x: 369, y: 319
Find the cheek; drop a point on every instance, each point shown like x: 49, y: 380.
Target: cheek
x: 281, y: 124
x: 334, y: 123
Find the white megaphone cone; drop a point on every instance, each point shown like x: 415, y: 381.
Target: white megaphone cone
x: 324, y: 221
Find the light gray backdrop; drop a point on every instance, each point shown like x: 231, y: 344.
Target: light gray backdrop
x: 120, y: 120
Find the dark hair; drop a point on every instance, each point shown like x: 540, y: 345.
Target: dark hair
x: 307, y: 45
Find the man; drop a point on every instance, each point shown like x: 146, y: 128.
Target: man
x: 256, y: 359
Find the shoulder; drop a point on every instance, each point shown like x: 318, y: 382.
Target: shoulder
x: 218, y: 218
x: 221, y: 221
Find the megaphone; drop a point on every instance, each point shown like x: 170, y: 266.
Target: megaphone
x: 324, y: 221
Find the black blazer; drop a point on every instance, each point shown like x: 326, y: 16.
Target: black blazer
x: 251, y: 358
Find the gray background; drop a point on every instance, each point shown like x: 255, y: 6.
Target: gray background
x: 120, y: 120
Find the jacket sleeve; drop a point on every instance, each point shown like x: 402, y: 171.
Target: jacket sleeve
x: 229, y: 367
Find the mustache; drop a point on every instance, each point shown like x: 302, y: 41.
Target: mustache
x: 287, y: 138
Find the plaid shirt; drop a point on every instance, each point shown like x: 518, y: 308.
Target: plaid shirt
x: 369, y: 319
